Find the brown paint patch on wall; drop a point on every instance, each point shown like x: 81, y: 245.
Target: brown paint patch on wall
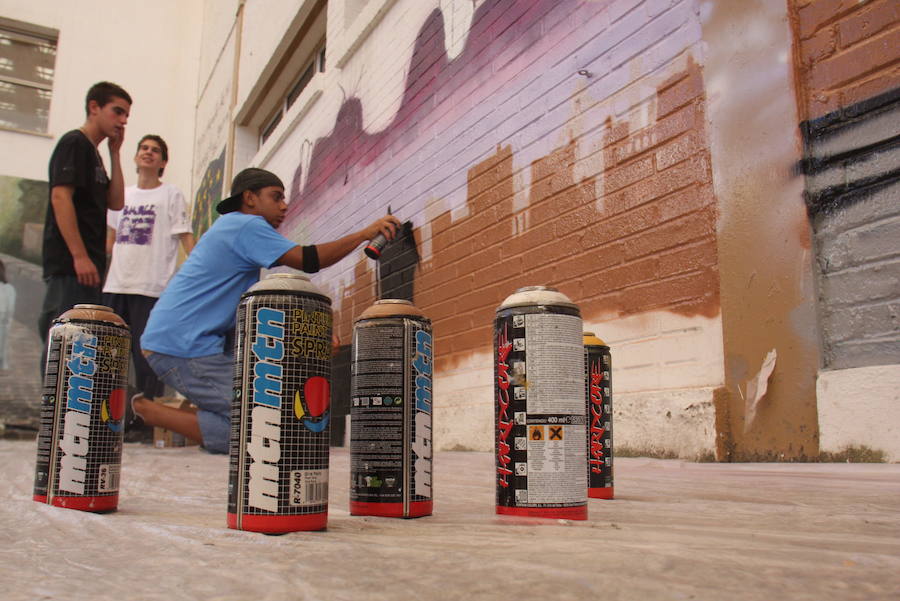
x: 468, y: 276
x: 660, y: 212
x: 647, y: 243
x: 767, y: 292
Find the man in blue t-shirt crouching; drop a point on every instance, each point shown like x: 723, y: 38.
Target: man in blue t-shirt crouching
x: 184, y: 340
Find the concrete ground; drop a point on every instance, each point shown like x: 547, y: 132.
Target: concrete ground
x: 676, y: 531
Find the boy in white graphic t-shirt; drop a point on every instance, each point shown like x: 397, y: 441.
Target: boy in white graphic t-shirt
x: 143, y: 238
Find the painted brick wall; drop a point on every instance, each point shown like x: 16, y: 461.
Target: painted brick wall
x: 644, y: 239
x: 566, y: 145
x: 849, y: 51
x: 859, y: 259
x: 853, y: 194
x: 849, y: 74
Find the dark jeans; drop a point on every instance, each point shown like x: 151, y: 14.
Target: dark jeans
x: 135, y: 310
x: 63, y: 293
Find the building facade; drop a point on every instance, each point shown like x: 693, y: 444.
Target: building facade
x: 50, y: 54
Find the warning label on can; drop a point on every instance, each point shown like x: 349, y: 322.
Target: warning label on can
x: 552, y: 452
x: 555, y: 380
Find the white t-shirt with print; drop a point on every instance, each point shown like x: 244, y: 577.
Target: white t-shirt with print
x: 147, y: 237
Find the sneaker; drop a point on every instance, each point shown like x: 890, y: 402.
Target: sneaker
x: 136, y: 430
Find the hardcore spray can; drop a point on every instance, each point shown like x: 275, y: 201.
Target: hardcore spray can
x: 539, y: 411
x: 278, y: 475
x: 598, y: 389
x: 390, y: 425
x: 79, y: 454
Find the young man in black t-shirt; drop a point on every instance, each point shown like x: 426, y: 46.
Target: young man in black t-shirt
x: 74, y: 252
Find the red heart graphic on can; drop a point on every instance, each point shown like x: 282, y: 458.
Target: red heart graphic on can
x: 317, y: 393
x: 117, y: 403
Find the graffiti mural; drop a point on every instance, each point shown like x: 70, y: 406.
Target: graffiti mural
x: 23, y: 204
x: 208, y: 194
x: 545, y: 151
x: 631, y: 168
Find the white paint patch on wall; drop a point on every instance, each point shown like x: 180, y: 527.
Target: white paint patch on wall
x: 665, y: 422
x: 679, y: 421
x: 464, y: 405
x: 860, y: 407
x: 665, y: 369
x: 659, y: 350
x: 457, y: 22
x: 216, y: 28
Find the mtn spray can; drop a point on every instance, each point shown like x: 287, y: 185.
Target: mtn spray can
x: 278, y: 473
x: 539, y: 409
x: 391, y: 400
x: 79, y: 447
x: 598, y: 390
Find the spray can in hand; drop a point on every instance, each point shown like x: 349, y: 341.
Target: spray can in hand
x: 376, y: 245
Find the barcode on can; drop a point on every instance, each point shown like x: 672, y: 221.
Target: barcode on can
x: 108, y: 480
x: 309, y: 487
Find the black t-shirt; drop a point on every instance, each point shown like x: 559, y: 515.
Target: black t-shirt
x: 75, y: 162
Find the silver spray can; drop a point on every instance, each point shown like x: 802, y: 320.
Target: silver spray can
x: 391, y: 412
x: 79, y: 453
x: 278, y: 473
x: 539, y: 409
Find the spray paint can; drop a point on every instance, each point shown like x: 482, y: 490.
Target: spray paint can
x: 539, y: 408
x: 278, y: 473
x: 391, y: 412
x: 598, y: 391
x: 79, y: 450
x: 376, y: 245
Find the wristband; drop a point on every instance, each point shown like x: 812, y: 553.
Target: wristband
x: 310, y: 259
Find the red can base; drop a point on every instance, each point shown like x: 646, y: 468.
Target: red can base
x: 279, y: 524
x: 102, y: 504
x: 601, y: 493
x: 555, y: 513
x: 417, y: 509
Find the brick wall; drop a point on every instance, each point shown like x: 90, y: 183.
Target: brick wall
x: 564, y: 145
x: 849, y: 74
x: 853, y: 195
x: 849, y: 51
x: 641, y: 240
x: 859, y: 266
x: 849, y: 79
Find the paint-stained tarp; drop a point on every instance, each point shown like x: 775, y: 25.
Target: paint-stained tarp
x: 677, y: 531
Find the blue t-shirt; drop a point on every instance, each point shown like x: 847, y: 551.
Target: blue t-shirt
x: 197, y: 308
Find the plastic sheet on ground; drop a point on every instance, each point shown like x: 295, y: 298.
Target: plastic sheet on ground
x: 676, y: 531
